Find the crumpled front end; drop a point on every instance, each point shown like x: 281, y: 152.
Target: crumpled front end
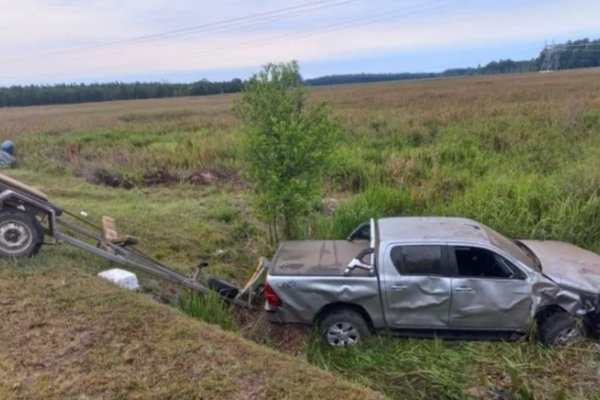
x: 547, y: 293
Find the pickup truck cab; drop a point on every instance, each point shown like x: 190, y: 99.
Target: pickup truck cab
x: 434, y: 276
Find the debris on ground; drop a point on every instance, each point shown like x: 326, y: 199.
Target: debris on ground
x: 7, y: 157
x: 122, y: 278
x: 201, y: 178
x: 160, y: 176
x: 208, y: 176
x: 102, y: 176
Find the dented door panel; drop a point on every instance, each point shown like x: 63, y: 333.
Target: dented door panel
x: 483, y: 303
x: 417, y: 301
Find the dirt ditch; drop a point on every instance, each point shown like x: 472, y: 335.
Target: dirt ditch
x: 101, y: 176
x: 163, y: 176
x: 252, y: 324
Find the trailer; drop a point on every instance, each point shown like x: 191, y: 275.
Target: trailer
x: 27, y: 217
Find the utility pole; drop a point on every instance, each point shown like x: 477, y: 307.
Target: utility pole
x: 551, y: 61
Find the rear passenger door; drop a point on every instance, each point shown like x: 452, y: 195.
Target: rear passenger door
x: 489, y: 292
x: 416, y: 286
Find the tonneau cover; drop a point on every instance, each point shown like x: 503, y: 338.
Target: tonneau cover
x: 315, y: 257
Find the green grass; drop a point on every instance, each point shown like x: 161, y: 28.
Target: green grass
x: 210, y: 308
x: 428, y: 369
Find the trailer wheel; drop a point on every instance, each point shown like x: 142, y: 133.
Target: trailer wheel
x: 20, y: 234
x: 343, y: 327
x: 225, y: 289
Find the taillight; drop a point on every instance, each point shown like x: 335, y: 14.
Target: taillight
x: 271, y: 296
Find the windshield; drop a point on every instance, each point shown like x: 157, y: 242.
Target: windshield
x: 511, y: 248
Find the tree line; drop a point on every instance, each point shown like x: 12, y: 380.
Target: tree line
x: 81, y: 93
x: 582, y: 53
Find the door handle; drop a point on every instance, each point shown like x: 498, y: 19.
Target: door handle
x: 398, y: 287
x: 463, y: 289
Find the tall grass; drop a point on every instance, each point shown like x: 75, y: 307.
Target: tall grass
x: 375, y: 202
x: 412, y: 369
x: 436, y: 369
x: 209, y: 307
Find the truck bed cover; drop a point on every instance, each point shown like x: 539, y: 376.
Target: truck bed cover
x: 315, y: 257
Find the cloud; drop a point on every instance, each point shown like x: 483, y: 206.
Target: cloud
x: 61, y: 24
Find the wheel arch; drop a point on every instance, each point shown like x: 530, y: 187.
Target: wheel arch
x: 31, y: 206
x: 546, y: 311
x: 340, y: 305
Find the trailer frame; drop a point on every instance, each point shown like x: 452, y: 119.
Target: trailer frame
x: 66, y: 227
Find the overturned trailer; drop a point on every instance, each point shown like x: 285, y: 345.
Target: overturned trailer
x: 27, y: 217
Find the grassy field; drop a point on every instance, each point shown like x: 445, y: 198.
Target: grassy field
x: 519, y: 153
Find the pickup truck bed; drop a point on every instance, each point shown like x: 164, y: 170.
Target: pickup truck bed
x: 315, y: 257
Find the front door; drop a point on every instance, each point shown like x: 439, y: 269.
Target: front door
x: 488, y: 291
x: 416, y: 286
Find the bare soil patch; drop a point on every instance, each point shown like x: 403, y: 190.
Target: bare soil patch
x: 101, y: 176
x: 208, y: 176
x: 160, y: 176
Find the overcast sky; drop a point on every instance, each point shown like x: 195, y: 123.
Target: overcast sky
x: 49, y: 41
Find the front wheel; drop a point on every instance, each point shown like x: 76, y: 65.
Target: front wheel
x: 343, y: 328
x: 20, y: 234
x: 561, y: 329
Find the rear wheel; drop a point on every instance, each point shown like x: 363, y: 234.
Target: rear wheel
x: 20, y: 234
x: 561, y: 329
x: 343, y: 328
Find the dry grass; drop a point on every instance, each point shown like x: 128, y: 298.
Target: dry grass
x: 65, y: 334
x: 184, y: 111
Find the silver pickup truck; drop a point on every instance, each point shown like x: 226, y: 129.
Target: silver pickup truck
x: 435, y: 276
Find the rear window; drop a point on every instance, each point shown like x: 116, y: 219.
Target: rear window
x: 417, y: 260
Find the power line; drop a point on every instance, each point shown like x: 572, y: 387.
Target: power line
x: 230, y: 23
x: 347, y: 24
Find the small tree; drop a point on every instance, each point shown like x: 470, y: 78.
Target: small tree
x: 287, y: 145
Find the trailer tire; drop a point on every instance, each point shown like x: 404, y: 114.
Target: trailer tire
x: 225, y: 289
x: 20, y: 234
x: 343, y: 327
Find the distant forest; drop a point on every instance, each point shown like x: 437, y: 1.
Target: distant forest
x: 582, y: 53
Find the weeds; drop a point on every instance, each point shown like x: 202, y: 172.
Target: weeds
x: 210, y: 308
x: 437, y: 369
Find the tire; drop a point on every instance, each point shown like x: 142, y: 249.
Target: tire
x: 343, y: 327
x: 20, y: 234
x: 561, y: 329
x: 225, y: 289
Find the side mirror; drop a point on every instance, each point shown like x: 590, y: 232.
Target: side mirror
x: 358, y: 262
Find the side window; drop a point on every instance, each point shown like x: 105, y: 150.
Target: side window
x: 482, y: 263
x: 417, y: 260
